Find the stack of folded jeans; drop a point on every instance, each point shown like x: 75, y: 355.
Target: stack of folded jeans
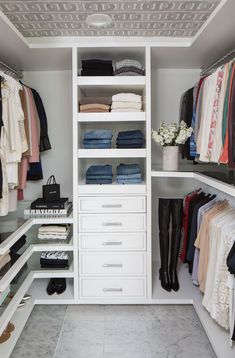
x: 126, y: 102
x: 129, y: 174
x: 99, y: 174
x: 128, y: 67
x: 130, y: 139
x: 98, y: 139
x: 96, y: 67
x: 94, y: 104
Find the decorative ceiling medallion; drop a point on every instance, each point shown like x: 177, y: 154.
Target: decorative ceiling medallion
x: 144, y: 18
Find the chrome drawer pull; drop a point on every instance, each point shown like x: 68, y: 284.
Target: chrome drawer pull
x: 112, y: 289
x: 112, y: 224
x: 113, y: 265
x: 111, y: 243
x: 106, y: 206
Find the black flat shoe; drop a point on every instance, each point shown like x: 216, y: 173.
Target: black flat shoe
x: 52, y: 286
x: 165, y: 281
x: 61, y: 285
x: 174, y: 280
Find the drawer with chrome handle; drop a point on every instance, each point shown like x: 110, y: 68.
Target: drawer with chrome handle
x: 112, y: 263
x: 120, y: 287
x: 112, y: 222
x: 112, y: 204
x: 113, y: 241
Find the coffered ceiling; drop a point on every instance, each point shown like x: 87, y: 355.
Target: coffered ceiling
x: 145, y: 18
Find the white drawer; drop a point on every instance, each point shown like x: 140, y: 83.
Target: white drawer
x: 107, y: 204
x: 112, y: 222
x: 112, y: 264
x: 112, y: 288
x: 113, y: 241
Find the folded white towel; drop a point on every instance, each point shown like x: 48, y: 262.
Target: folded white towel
x: 52, y: 237
x: 53, y: 228
x: 126, y: 110
x: 126, y: 97
x: 137, y: 105
x: 128, y: 62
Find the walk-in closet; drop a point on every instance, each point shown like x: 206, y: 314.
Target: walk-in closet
x: 90, y: 106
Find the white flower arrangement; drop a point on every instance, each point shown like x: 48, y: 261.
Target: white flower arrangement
x: 172, y: 135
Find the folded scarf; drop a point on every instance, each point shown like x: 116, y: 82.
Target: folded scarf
x: 126, y: 97
x: 85, y: 107
x: 128, y: 63
x: 128, y: 73
x: 129, y: 69
x: 135, y: 105
x: 91, y: 100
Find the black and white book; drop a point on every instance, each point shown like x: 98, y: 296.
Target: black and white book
x: 48, y: 212
x: 62, y: 203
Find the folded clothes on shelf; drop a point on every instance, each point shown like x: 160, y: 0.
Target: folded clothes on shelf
x: 97, y: 67
x: 54, y: 232
x: 99, y: 174
x: 128, y: 67
x: 92, y: 100
x: 129, y: 174
x: 130, y: 139
x: 4, y: 259
x: 126, y: 102
x: 100, y: 138
x: 54, y: 259
x: 94, y: 107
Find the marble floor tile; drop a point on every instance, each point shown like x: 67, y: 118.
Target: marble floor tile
x: 124, y: 312
x: 86, y: 312
x: 41, y: 333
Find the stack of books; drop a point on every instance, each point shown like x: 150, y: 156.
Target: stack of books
x: 61, y: 207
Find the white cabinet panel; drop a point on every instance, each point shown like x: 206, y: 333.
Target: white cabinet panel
x: 112, y: 204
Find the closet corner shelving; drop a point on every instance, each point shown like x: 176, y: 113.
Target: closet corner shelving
x: 110, y: 264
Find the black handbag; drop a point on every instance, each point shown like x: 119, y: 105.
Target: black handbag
x: 51, y: 191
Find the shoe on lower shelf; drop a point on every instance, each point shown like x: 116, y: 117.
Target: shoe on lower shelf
x: 10, y: 328
x: 61, y: 285
x: 52, y: 286
x: 4, y: 337
x: 26, y: 297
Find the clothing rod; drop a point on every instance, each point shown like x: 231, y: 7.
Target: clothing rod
x: 10, y: 71
x: 219, y: 62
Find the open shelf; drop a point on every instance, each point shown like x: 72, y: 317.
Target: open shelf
x: 114, y: 188
x: 112, y: 153
x: 138, y: 81
x: 112, y: 117
x: 38, y: 292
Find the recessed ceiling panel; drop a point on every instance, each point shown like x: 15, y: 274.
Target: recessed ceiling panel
x: 144, y: 18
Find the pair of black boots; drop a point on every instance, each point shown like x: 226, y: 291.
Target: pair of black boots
x: 169, y: 210
x: 56, y: 285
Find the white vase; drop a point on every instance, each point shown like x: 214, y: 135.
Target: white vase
x: 170, y: 158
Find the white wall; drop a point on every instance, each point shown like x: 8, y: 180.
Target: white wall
x: 168, y: 85
x: 55, y: 89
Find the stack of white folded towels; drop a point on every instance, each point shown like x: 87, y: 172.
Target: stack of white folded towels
x: 126, y: 102
x: 54, y: 232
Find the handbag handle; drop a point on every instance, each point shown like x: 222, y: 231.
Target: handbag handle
x: 51, y: 180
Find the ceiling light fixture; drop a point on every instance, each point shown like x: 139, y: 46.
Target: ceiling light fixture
x: 98, y: 20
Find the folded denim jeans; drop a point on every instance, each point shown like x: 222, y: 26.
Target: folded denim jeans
x: 97, y: 146
x: 91, y: 177
x: 132, y: 134
x: 130, y: 141
x: 130, y: 176
x: 98, y: 134
x: 130, y: 146
x: 99, y: 170
x: 129, y: 181
x: 123, y: 169
x: 96, y: 141
x: 98, y: 181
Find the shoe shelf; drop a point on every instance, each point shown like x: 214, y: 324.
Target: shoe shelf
x: 114, y: 188
x: 39, y: 293
x: 112, y: 153
x: 112, y: 117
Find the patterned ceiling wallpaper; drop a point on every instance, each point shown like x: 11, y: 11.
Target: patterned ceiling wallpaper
x: 129, y: 17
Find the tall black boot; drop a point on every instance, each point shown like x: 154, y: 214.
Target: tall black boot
x: 164, y: 221
x: 177, y: 215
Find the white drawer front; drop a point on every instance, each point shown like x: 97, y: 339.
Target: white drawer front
x: 112, y: 264
x: 113, y: 241
x: 112, y: 222
x: 112, y: 204
x: 112, y: 288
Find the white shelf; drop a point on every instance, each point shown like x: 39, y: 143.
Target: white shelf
x: 114, y: 188
x: 202, y: 178
x: 111, y: 81
x: 38, y: 291
x: 112, y: 153
x: 112, y: 117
